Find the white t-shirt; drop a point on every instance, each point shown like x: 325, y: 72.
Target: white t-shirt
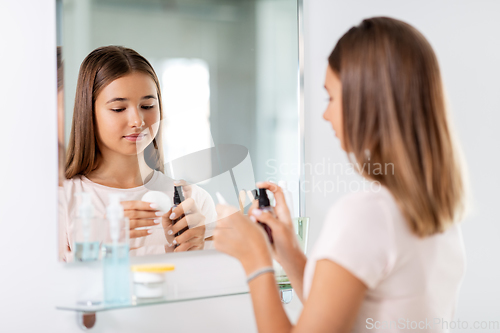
x: 151, y: 244
x: 409, y: 279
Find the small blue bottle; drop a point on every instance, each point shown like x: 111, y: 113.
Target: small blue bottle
x: 85, y: 230
x: 116, y: 262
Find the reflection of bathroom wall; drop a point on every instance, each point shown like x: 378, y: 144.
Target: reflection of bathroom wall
x: 186, y: 106
x: 75, y: 44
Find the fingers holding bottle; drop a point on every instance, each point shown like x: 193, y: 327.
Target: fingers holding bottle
x: 281, y: 208
x: 186, y: 218
x: 278, y: 220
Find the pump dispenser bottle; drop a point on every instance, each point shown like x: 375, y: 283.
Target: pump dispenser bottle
x: 265, y: 205
x: 178, y: 198
x: 85, y: 244
x: 116, y: 263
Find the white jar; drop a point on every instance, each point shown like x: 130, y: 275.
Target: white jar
x: 149, y: 280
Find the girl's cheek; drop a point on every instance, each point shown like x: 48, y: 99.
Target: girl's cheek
x: 151, y: 119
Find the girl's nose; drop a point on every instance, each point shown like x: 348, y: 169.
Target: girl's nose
x: 136, y: 118
x: 325, y: 115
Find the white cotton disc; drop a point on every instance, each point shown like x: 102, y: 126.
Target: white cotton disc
x: 159, y: 198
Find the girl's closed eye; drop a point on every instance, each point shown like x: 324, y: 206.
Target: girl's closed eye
x: 148, y: 107
x: 118, y: 109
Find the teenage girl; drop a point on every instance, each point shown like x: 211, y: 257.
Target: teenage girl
x: 115, y: 147
x: 391, y: 258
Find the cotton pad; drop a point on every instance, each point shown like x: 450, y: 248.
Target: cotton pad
x: 161, y: 199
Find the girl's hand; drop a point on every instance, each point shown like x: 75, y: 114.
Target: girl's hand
x: 194, y: 237
x: 141, y: 214
x: 284, y: 238
x: 238, y: 236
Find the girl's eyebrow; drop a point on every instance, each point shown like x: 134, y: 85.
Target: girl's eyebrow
x: 117, y: 99
x: 121, y: 99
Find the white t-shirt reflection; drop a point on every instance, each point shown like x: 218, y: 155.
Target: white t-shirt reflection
x: 151, y: 244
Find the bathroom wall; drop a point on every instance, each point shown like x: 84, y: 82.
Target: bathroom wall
x: 466, y: 37
x: 32, y: 282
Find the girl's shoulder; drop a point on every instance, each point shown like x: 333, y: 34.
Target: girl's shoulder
x: 72, y: 184
x: 368, y: 213
x: 375, y: 200
x: 67, y: 190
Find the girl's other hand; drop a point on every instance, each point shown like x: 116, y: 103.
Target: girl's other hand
x: 194, y: 237
x: 141, y: 214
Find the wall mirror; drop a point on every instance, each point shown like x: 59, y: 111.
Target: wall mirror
x: 222, y: 114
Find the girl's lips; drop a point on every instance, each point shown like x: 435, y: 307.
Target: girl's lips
x: 135, y: 137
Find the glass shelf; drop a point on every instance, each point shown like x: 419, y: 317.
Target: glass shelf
x: 93, y: 307
x: 86, y: 311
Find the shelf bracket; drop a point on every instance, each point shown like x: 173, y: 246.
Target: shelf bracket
x: 85, y: 320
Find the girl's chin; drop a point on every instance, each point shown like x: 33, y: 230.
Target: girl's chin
x: 134, y: 151
x: 141, y: 146
x: 130, y: 153
x: 127, y: 149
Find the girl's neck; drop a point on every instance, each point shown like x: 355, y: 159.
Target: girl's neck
x: 120, y: 171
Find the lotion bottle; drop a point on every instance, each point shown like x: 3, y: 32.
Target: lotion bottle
x: 84, y: 231
x: 116, y: 262
x: 265, y: 205
x: 178, y: 199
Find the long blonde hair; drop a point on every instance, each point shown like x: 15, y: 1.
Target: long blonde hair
x: 394, y: 112
x: 98, y: 69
